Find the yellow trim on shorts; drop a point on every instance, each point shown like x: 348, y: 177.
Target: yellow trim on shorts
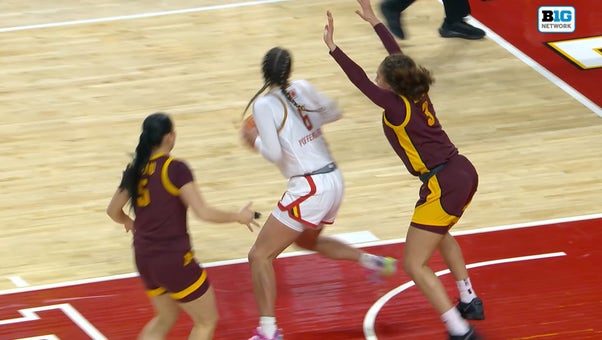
x: 295, y: 211
x: 184, y: 293
x: 155, y: 292
x: 188, y: 257
x: 431, y: 212
x: 172, y: 189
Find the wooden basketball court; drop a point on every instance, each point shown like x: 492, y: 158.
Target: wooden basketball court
x: 79, y: 78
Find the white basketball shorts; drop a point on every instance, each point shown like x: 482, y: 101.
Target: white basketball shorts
x: 311, y: 201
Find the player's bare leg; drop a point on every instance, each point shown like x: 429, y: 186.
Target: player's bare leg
x: 329, y: 247
x: 273, y: 238
x: 166, y: 314
x: 204, y: 314
x: 452, y: 255
x: 420, y: 245
x: 470, y: 305
x: 332, y: 248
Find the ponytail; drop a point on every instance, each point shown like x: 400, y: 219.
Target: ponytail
x: 154, y: 128
x: 265, y: 86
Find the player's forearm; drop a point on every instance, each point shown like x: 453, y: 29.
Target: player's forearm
x: 115, y: 207
x: 118, y: 216
x: 387, y: 38
x: 272, y: 151
x: 211, y: 214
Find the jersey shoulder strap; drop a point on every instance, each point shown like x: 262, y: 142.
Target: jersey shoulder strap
x: 167, y: 184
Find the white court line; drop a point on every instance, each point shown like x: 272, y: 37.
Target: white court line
x: 18, y: 281
x: 370, y: 317
x: 30, y: 314
x: 356, y: 237
x: 498, y: 228
x: 135, y: 16
x: 299, y: 253
x: 537, y: 67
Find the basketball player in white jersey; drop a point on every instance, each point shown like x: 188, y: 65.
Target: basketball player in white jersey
x: 288, y: 133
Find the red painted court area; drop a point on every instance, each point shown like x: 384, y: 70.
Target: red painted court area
x: 536, y: 282
x: 517, y: 23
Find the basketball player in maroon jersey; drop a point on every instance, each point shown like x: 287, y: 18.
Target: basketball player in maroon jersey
x: 160, y: 188
x: 449, y: 180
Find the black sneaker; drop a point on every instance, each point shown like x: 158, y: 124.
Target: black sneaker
x: 472, y: 310
x: 470, y: 335
x: 460, y: 29
x: 392, y: 13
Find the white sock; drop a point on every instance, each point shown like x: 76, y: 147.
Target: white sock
x: 268, y: 325
x: 454, y: 322
x: 369, y: 261
x: 467, y: 293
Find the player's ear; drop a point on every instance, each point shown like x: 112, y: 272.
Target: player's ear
x: 170, y: 138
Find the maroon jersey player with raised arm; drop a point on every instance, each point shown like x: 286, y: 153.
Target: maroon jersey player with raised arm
x: 448, y: 179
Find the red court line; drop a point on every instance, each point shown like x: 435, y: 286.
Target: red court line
x: 325, y: 299
x: 516, y: 22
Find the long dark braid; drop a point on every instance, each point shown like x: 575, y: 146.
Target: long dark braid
x: 265, y: 86
x: 276, y: 67
x: 154, y: 127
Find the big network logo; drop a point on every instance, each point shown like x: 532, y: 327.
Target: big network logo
x: 556, y: 19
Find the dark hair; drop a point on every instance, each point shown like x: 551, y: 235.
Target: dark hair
x: 154, y: 127
x: 405, y: 77
x: 276, y: 68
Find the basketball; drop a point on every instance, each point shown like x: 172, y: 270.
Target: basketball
x: 249, y: 132
x: 248, y: 123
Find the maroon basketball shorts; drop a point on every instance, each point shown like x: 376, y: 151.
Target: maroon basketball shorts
x: 176, y: 274
x: 445, y: 196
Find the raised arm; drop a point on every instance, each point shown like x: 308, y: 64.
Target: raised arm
x: 381, y: 30
x: 354, y: 72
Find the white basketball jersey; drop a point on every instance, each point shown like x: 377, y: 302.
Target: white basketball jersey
x: 291, y: 139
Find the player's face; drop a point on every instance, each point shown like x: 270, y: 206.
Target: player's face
x: 171, y: 139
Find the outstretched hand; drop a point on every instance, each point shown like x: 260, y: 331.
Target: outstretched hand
x: 367, y: 13
x: 248, y: 216
x: 329, y: 32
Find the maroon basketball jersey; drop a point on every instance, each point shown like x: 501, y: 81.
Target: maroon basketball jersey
x: 161, y: 219
x: 414, y: 132
x: 411, y: 127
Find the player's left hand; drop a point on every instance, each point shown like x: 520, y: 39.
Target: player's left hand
x: 329, y: 32
x: 367, y: 13
x: 248, y: 216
